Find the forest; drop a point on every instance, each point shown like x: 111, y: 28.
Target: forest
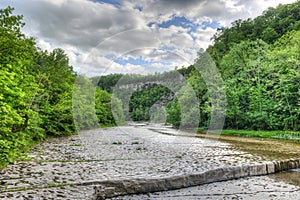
x: 36, y: 91
x: 258, y: 59
x: 259, y: 63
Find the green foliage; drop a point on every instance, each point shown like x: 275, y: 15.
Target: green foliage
x: 18, y: 122
x: 286, y: 135
x: 94, y: 107
x: 108, y: 108
x: 271, y: 25
x: 258, y: 59
x: 36, y: 90
x: 260, y: 67
x: 189, y: 107
x: 107, y: 82
x: 142, y: 100
x: 117, y: 111
x: 284, y: 64
x: 269, y: 34
x: 117, y: 142
x: 259, y: 62
x: 53, y: 97
x: 173, y: 113
x: 84, y: 104
x: 262, y: 84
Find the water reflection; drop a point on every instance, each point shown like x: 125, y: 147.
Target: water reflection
x: 291, y: 177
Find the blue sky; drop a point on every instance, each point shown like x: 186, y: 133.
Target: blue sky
x: 115, y: 3
x: 131, y: 36
x: 182, y: 21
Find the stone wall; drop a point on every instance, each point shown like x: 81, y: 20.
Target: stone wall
x: 113, y: 188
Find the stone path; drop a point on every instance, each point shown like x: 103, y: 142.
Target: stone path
x: 69, y: 168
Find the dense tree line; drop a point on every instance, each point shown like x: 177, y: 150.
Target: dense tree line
x: 36, y: 86
x: 93, y: 107
x: 108, y: 82
x: 270, y: 26
x: 261, y: 77
x: 261, y: 82
x: 36, y: 91
x: 259, y: 61
x: 147, y: 100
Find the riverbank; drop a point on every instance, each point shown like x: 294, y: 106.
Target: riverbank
x: 277, y: 135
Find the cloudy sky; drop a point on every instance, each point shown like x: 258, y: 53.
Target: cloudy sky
x: 131, y: 36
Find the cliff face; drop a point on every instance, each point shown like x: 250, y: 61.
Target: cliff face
x: 139, y: 85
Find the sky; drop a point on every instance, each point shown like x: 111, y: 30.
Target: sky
x: 131, y: 36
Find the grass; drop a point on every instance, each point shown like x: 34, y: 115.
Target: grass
x: 140, y: 148
x: 281, y: 135
x: 75, y: 145
x: 136, y: 142
x: 50, y: 185
x: 117, y: 142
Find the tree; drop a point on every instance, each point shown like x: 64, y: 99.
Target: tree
x: 284, y: 64
x: 19, y: 123
x: 107, y: 108
x: 56, y: 77
x: 189, y: 107
x: 271, y: 25
x: 143, y: 99
x: 269, y: 35
x: 242, y: 70
x: 35, y: 90
x: 83, y: 104
x: 173, y: 113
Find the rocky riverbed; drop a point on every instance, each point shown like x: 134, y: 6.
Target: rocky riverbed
x: 71, y: 167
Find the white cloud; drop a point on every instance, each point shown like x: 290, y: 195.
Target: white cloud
x: 92, y: 34
x: 204, y: 36
x: 135, y: 69
x: 44, y: 45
